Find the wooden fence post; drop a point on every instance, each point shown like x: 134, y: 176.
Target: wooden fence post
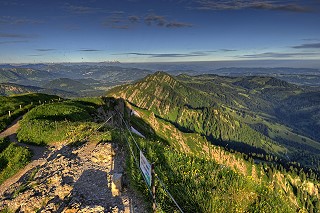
x: 153, y: 188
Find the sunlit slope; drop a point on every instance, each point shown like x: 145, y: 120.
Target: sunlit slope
x: 193, y: 110
x: 237, y: 113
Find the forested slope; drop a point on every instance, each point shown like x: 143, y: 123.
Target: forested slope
x: 242, y: 113
x: 215, y: 120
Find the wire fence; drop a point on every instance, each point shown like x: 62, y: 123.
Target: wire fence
x: 162, y: 184
x: 15, y: 112
x: 27, y: 106
x: 151, y: 188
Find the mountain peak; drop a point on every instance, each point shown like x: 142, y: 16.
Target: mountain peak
x: 161, y: 73
x: 161, y: 78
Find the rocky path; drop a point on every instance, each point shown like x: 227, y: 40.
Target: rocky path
x: 12, y: 129
x: 73, y: 179
x: 69, y: 179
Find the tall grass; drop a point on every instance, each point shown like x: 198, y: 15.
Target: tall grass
x: 201, y: 185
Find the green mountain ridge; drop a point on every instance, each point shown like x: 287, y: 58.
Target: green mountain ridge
x: 71, y: 80
x: 67, y: 84
x: 23, y: 75
x: 10, y: 88
x: 239, y: 112
x: 7, y: 89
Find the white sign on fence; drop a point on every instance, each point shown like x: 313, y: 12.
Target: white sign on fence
x: 145, y: 167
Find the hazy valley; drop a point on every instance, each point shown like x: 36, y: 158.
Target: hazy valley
x: 92, y: 79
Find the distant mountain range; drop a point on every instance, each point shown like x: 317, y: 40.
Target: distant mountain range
x: 69, y: 80
x: 7, y: 89
x: 99, y: 77
x: 10, y: 88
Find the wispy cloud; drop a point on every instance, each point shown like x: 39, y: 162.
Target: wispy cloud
x: 45, y: 50
x: 283, y: 7
x: 13, y: 35
x: 11, y: 20
x: 117, y: 12
x: 308, y: 46
x: 89, y: 50
x: 227, y: 50
x: 79, y: 9
x: 274, y: 55
x: 120, y: 20
x: 311, y: 39
x: 13, y: 42
x: 155, y: 19
x: 117, y: 20
x: 35, y: 55
x: 248, y: 4
x: 161, y: 21
x: 168, y: 55
x: 11, y: 3
x: 134, y: 19
x: 175, y: 24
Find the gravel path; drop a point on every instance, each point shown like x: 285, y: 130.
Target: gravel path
x: 69, y: 179
x: 11, y: 130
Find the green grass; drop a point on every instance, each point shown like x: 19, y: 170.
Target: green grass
x: 69, y: 120
x: 90, y: 100
x: 264, y: 196
x: 12, y: 159
x: 27, y: 102
x: 201, y: 185
x: 173, y: 114
x: 6, y: 210
x: 50, y: 123
x: 13, y: 102
x: 4, y: 143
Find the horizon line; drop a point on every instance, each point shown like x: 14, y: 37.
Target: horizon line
x: 143, y: 62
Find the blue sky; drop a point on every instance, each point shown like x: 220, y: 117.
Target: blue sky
x: 35, y: 31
